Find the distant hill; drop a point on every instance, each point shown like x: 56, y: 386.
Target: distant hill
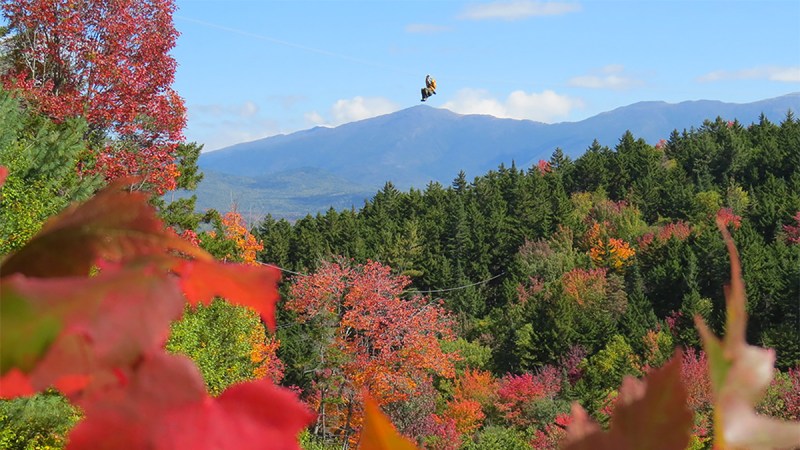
x: 308, y: 171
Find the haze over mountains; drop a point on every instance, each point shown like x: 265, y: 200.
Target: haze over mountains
x: 308, y: 171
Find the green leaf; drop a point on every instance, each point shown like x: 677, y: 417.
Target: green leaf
x: 24, y: 332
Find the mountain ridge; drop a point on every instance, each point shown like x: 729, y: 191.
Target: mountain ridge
x: 420, y: 144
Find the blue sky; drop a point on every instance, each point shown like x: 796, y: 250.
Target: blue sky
x: 252, y: 69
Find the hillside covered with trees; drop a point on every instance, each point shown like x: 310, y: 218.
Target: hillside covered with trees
x: 561, y: 278
x: 508, y: 311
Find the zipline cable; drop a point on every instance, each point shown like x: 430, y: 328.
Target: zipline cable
x: 412, y: 291
x: 434, y: 291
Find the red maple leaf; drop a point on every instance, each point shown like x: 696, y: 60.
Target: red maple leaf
x: 161, y: 403
x: 252, y: 286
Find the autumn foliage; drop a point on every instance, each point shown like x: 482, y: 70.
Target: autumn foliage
x: 677, y: 230
x: 606, y: 251
x: 109, y: 63
x: 236, y: 230
x: 517, y: 394
x: 793, y: 231
x: 99, y: 339
x: 379, y: 340
x: 87, y: 304
x: 585, y: 287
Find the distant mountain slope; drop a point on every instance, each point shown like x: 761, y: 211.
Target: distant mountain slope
x: 420, y: 144
x: 291, y: 194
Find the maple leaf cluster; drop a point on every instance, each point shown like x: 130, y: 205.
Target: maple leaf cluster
x: 264, y: 353
x: 606, y: 251
x: 611, y: 253
x: 475, y: 392
x: 517, y: 393
x: 552, y: 434
x: 109, y: 63
x: 679, y: 230
x: 544, y: 167
x: 727, y: 217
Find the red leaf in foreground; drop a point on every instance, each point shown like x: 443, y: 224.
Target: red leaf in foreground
x: 650, y: 413
x: 163, y: 405
x: 252, y: 286
x: 15, y: 384
x: 3, y: 175
x: 106, y: 321
x: 115, y: 224
x: 378, y: 432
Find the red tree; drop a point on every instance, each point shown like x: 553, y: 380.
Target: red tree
x: 109, y: 62
x: 517, y: 394
x: 792, y: 231
x: 378, y: 341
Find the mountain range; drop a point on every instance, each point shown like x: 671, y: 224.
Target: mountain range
x: 313, y: 170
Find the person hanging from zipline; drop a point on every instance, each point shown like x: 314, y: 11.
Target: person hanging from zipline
x: 430, y: 87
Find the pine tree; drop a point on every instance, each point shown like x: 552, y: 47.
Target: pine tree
x: 42, y: 158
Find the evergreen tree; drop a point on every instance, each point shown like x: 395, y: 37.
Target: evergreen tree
x: 180, y: 212
x: 592, y: 170
x: 276, y: 235
x: 42, y: 158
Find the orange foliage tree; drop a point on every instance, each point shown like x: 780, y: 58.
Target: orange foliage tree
x: 584, y: 287
x: 612, y: 253
x: 264, y: 346
x: 377, y: 341
x: 236, y: 230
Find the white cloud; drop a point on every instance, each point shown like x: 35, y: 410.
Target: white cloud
x: 788, y: 75
x: 350, y: 110
x: 286, y: 102
x: 314, y: 118
x: 218, y: 126
x: 517, y: 9
x: 425, y: 28
x: 221, y: 125
x: 243, y: 110
x: 215, y: 135
x: 248, y: 109
x: 546, y: 106
x: 609, y: 77
x: 771, y: 73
